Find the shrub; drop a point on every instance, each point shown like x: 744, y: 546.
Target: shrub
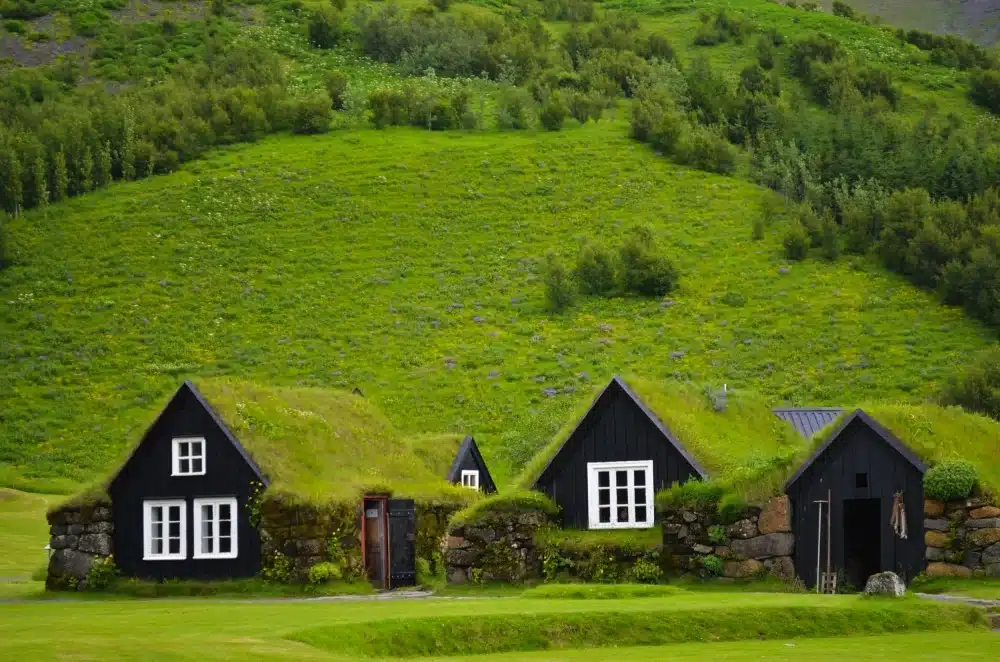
x: 325, y: 28
x: 323, y: 573
x: 553, y: 113
x: 765, y: 53
x: 975, y: 388
x: 584, y: 106
x: 844, y: 10
x: 644, y: 270
x: 658, y: 47
x: 984, y: 89
x: 336, y: 86
x: 514, y: 108
x: 388, y: 107
x: 796, y: 242
x: 312, y: 113
x: 441, y: 5
x: 717, y: 534
x: 951, y: 479
x: 101, y: 574
x: 276, y: 568
x: 559, y: 288
x: 705, y: 149
x: 712, y: 565
x: 731, y: 508
x: 646, y: 570
x: 595, y: 269
x: 692, y: 494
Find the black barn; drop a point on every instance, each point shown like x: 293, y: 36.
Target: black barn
x: 605, y: 474
x: 179, y: 501
x: 469, y: 468
x: 862, y: 466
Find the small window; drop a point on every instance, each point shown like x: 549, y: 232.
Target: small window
x: 164, y: 528
x: 189, y: 456
x: 619, y: 494
x: 215, y: 528
x: 470, y: 479
x: 860, y: 480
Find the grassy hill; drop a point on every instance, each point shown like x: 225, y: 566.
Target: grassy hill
x: 978, y: 20
x: 406, y: 262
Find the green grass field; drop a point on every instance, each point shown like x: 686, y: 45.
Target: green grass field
x: 23, y: 534
x: 405, y: 263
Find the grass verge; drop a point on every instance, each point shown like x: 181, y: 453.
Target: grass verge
x: 982, y: 588
x: 460, y: 635
x: 601, y: 591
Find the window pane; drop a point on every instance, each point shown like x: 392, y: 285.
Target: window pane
x: 157, y: 530
x: 225, y: 528
x: 224, y: 511
x: 206, y: 545
x: 225, y: 545
x: 174, y: 513
x: 175, y: 546
x: 639, y: 477
x: 640, y: 495
x: 622, y: 495
x: 174, y: 530
x: 623, y: 514
x: 157, y: 545
x: 196, y: 465
x: 197, y: 449
x: 604, y: 515
x: 603, y: 497
x: 604, y: 479
x: 640, y: 514
x: 156, y: 513
x: 621, y: 478
x: 206, y: 528
x: 184, y: 466
x: 183, y: 449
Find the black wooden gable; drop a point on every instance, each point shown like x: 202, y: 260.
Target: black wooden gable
x: 184, y: 396
x: 469, y: 457
x: 884, y: 434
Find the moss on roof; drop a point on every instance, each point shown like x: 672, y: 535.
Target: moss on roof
x: 436, y: 451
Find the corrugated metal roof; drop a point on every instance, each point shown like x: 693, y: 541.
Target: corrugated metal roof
x: 809, y: 420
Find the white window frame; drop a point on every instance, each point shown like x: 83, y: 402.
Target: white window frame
x: 215, y: 502
x: 176, y: 456
x: 470, y: 479
x: 147, y: 530
x: 593, y: 503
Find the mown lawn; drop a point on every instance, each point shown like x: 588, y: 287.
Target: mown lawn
x: 406, y: 263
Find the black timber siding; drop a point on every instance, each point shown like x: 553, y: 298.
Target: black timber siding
x: 146, y: 475
x: 858, y: 449
x: 614, y: 430
x: 470, y: 459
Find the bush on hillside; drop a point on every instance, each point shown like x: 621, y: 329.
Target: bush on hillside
x: 336, y: 86
x: 325, y: 28
x: 765, y: 53
x: 984, y: 89
x: 977, y: 386
x: 441, y: 5
x: 645, y: 270
x: 388, y: 107
x: 952, y: 479
x: 796, y: 242
x: 844, y: 10
x: 703, y: 148
x: 595, y: 269
x: 514, y: 109
x: 312, y: 113
x: 559, y: 286
x: 658, y: 47
x: 553, y: 113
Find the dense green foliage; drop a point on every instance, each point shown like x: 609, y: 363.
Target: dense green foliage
x: 977, y: 386
x: 952, y: 479
x: 509, y: 501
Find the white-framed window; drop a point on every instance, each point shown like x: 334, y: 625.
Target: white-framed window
x: 188, y: 456
x: 215, y: 528
x: 470, y: 478
x: 620, y: 494
x: 164, y: 530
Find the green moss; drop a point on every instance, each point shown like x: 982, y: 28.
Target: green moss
x: 576, y: 540
x: 510, y: 501
x: 436, y: 451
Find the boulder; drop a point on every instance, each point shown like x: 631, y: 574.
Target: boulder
x: 783, y: 568
x: 688, y: 516
x: 936, y: 539
x: 991, y: 554
x: 938, y: 524
x: 724, y: 553
x: 701, y: 549
x: 933, y: 508
x: 885, y: 583
x: 675, y: 530
x: 984, y: 537
x: 101, y: 514
x: 989, y: 523
x: 993, y: 570
x: 971, y: 558
x: 740, y: 569
x: 69, y: 562
x: 773, y: 544
x: 57, y: 530
x: 744, y: 529
x: 775, y: 517
x: 938, y: 569
x: 984, y: 512
x: 96, y: 543
x: 100, y: 527
x: 934, y: 554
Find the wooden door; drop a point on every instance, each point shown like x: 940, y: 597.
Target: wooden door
x: 376, y: 549
x: 402, y: 543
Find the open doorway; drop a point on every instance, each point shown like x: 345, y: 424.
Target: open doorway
x: 862, y: 540
x: 375, y: 534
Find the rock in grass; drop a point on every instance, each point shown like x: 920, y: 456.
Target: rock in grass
x: 885, y: 583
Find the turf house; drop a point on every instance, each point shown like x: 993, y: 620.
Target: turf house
x: 234, y: 480
x: 736, y: 487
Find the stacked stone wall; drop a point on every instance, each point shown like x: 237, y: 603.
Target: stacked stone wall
x: 962, y: 538
x: 498, y: 547
x: 78, y: 536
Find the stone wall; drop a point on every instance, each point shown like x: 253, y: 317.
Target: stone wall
x: 498, y: 547
x: 962, y: 538
x: 761, y: 542
x: 301, y: 534
x: 78, y: 536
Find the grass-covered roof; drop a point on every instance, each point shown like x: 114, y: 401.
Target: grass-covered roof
x: 437, y: 451
x: 748, y: 448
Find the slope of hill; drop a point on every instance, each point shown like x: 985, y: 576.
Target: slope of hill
x: 406, y: 262
x: 978, y: 20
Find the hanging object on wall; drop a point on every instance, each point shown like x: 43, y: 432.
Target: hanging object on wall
x: 898, y: 517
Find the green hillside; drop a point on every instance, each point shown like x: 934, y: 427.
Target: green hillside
x: 979, y: 21
x: 405, y: 262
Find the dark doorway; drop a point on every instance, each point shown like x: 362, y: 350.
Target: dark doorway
x: 402, y: 543
x: 374, y: 532
x: 862, y: 540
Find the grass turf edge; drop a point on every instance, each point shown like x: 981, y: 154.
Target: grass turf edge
x: 496, y: 633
